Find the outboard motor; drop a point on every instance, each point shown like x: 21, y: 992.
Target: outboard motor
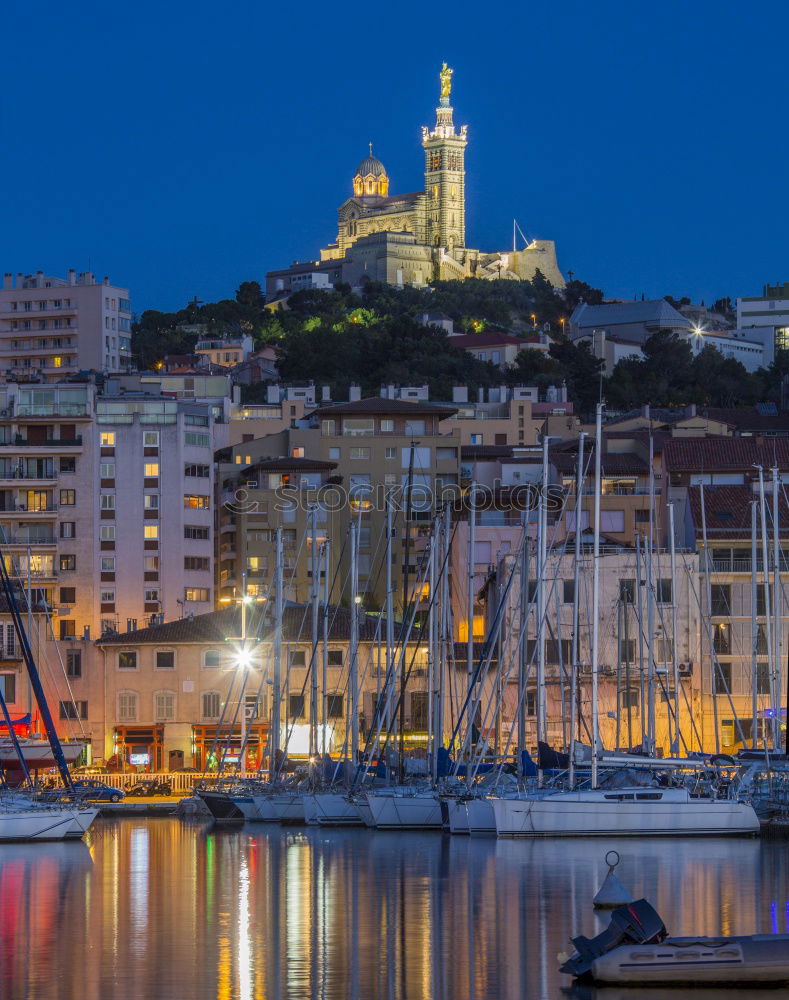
x: 637, y: 923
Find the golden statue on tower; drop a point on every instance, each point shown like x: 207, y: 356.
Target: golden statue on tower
x: 446, y: 80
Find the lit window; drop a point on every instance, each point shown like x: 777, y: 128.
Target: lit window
x: 108, y: 439
x: 57, y: 362
x: 151, y: 469
x: 127, y: 659
x: 151, y: 531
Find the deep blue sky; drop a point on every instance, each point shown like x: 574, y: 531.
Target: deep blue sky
x: 184, y: 147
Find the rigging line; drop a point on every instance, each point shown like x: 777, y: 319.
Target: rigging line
x: 715, y: 663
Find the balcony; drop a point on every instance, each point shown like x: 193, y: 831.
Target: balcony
x: 52, y: 409
x: 47, y: 511
x: 20, y: 442
x: 22, y: 538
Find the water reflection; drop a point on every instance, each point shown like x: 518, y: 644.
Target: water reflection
x: 159, y: 908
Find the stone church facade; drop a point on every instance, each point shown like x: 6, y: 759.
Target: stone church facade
x: 412, y: 239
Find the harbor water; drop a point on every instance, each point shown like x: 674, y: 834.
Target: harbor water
x: 174, y: 910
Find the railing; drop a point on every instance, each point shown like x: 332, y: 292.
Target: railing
x: 182, y: 782
x: 52, y: 410
x: 22, y: 508
x: 21, y: 442
x: 23, y: 539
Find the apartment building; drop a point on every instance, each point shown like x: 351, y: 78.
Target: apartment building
x: 53, y: 327
x: 349, y: 455
x: 714, y: 485
x: 624, y: 645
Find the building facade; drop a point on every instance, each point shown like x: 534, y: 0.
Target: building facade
x: 52, y: 327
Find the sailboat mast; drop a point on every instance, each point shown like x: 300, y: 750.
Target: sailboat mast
x: 389, y: 618
x: 673, y: 550
x: 708, y: 589
x: 314, y: 566
x: 767, y: 601
x: 640, y: 615
x: 472, y: 532
x: 579, y: 493
x: 777, y: 613
x: 523, y: 643
x: 325, y: 644
x: 596, y: 590
x: 432, y: 643
x: 754, y: 634
x: 353, y: 670
x: 541, y: 608
x: 276, y: 690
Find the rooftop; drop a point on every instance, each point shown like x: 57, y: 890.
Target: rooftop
x: 217, y: 626
x: 650, y: 312
x: 712, y: 454
x: 727, y: 511
x: 379, y: 404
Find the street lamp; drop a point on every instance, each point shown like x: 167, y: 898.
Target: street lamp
x: 244, y: 660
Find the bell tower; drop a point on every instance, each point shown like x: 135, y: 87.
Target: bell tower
x: 445, y: 173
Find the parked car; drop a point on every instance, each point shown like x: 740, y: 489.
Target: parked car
x: 97, y: 791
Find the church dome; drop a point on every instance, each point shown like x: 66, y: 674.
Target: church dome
x: 371, y: 165
x: 371, y: 179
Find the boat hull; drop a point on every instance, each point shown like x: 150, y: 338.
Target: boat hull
x: 760, y: 960
x: 222, y: 807
x: 598, y: 814
x: 36, y: 824
x: 406, y: 812
x: 280, y: 807
x: 480, y: 818
x: 335, y: 809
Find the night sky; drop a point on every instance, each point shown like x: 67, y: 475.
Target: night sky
x: 181, y: 148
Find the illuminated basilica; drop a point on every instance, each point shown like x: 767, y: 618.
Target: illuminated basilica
x: 412, y: 239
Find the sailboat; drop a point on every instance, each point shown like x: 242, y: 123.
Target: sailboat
x: 22, y: 817
x: 633, y: 810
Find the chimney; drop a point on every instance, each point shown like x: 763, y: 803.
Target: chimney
x: 131, y: 624
x: 645, y: 412
x: 325, y: 394
x: 72, y: 276
x: 272, y: 394
x: 8, y: 280
x: 106, y: 279
x: 354, y: 394
x: 459, y: 394
x: 480, y: 395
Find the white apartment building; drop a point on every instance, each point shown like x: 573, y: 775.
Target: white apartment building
x: 51, y: 327
x: 106, y: 502
x: 769, y: 310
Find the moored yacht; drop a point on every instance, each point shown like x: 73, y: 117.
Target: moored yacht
x: 628, y: 812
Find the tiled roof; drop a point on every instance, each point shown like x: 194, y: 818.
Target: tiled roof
x: 611, y: 463
x: 749, y: 419
x: 727, y: 511
x: 378, y: 404
x: 216, y: 626
x: 713, y: 454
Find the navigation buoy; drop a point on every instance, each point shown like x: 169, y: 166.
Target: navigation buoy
x: 611, y: 893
